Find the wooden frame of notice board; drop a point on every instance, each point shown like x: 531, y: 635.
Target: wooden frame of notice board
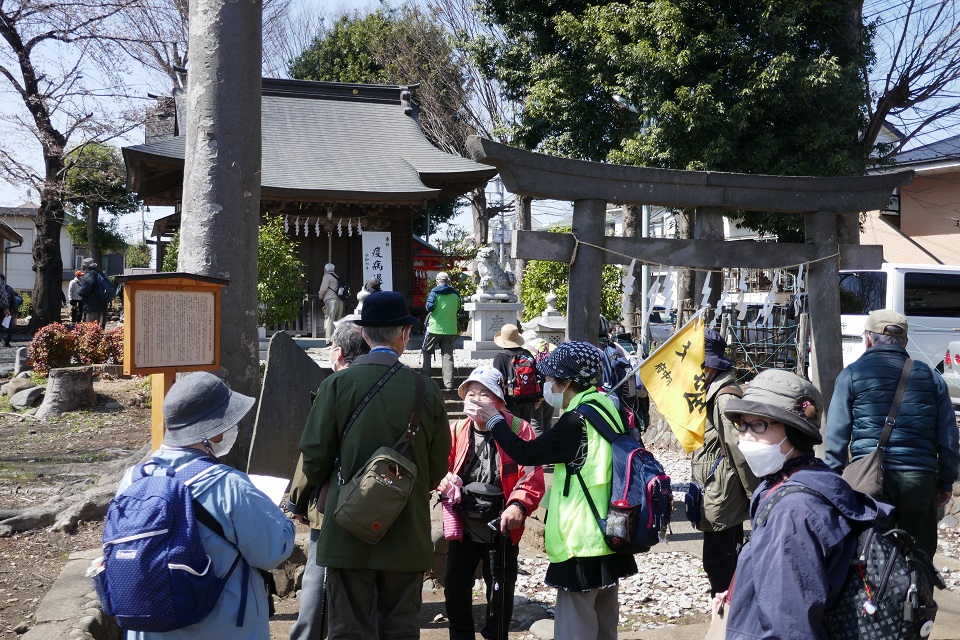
x: 171, y: 325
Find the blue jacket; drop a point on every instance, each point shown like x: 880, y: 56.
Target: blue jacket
x: 794, y: 566
x: 254, y: 524
x: 925, y: 436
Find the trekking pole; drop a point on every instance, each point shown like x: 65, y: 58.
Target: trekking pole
x: 497, y: 571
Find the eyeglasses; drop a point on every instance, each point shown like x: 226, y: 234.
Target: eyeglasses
x: 757, y: 426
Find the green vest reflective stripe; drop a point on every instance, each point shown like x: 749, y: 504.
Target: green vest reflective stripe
x: 571, y: 529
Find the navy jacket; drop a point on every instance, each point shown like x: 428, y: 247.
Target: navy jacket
x: 925, y: 436
x: 794, y: 566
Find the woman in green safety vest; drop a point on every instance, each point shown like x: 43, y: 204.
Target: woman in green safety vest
x: 583, y: 568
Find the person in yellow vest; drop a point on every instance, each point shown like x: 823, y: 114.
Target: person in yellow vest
x: 583, y: 568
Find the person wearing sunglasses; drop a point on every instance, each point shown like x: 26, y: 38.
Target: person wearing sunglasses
x: 797, y: 560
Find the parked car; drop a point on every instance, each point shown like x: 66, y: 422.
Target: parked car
x: 928, y: 295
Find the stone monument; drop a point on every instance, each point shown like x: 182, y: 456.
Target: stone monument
x: 492, y: 306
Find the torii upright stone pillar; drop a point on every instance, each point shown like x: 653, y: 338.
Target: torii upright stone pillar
x: 221, y: 184
x: 583, y: 297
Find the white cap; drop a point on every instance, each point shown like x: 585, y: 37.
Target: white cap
x: 489, y: 377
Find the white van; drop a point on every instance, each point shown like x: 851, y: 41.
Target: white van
x: 928, y: 295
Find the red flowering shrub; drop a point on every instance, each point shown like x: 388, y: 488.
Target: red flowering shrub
x: 50, y: 348
x: 56, y: 346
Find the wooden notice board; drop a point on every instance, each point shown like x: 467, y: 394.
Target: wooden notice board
x: 171, y: 325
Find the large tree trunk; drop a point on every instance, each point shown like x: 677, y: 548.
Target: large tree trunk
x: 47, y: 262
x: 478, y: 202
x: 632, y: 228
x: 221, y: 190
x: 523, y: 221
x: 685, y: 280
x: 93, y: 221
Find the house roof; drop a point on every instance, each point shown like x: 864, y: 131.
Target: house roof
x: 9, y: 233
x: 25, y: 210
x: 939, y: 151
x: 327, y: 142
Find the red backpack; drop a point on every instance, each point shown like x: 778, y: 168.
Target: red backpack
x: 523, y: 383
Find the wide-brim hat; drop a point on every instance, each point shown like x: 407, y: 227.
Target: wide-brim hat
x: 200, y: 406
x: 508, y: 337
x: 385, y: 309
x: 580, y: 362
x: 489, y: 377
x: 715, y: 351
x: 784, y: 397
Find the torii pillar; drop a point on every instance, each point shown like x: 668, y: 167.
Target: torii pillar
x: 590, y: 185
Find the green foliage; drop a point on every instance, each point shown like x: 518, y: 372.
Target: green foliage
x: 108, y: 234
x: 281, y: 283
x: 55, y: 346
x: 138, y: 256
x: 541, y: 277
x: 26, y: 309
x: 767, y: 87
x: 95, y: 183
x: 96, y: 177
x: 404, y: 46
x: 172, y: 253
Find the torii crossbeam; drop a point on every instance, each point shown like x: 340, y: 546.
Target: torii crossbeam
x: 591, y: 185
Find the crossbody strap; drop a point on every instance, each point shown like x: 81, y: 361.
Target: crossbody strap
x: 895, y: 407
x: 367, y: 398
x: 413, y: 425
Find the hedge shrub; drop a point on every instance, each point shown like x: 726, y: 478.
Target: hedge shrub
x: 56, y: 346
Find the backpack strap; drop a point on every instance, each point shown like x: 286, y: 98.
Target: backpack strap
x: 592, y: 413
x: 197, y: 469
x: 732, y: 390
x: 779, y: 494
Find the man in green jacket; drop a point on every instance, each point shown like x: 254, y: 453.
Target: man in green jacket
x: 375, y: 590
x: 722, y: 471
x: 443, y: 303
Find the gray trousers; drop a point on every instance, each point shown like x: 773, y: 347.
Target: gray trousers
x: 366, y: 604
x: 309, y: 624
x: 430, y: 342
x: 589, y: 614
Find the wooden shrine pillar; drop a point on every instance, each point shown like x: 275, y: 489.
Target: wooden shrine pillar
x: 586, y: 271
x: 823, y: 300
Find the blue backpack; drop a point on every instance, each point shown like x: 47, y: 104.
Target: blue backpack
x: 156, y: 575
x: 105, y: 291
x: 641, y: 501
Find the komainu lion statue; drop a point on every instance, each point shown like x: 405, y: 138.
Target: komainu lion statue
x: 493, y: 282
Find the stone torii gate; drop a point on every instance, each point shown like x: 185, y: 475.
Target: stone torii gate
x: 591, y: 185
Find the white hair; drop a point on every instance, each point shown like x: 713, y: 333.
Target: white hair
x: 329, y: 267
x: 443, y: 276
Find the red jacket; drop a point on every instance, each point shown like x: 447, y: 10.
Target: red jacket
x: 520, y: 484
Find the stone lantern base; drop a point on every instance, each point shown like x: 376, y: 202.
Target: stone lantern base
x: 488, y: 318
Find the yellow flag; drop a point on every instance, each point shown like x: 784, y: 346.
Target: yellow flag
x: 673, y: 376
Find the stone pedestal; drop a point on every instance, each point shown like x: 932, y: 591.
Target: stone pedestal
x: 488, y: 317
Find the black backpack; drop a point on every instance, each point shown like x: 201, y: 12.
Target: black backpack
x: 343, y: 289
x: 888, y: 592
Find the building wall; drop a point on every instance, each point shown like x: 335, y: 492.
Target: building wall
x: 19, y: 260
x: 929, y: 208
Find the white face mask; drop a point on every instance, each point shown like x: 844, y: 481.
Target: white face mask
x: 763, y: 459
x: 551, y: 397
x: 223, y: 447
